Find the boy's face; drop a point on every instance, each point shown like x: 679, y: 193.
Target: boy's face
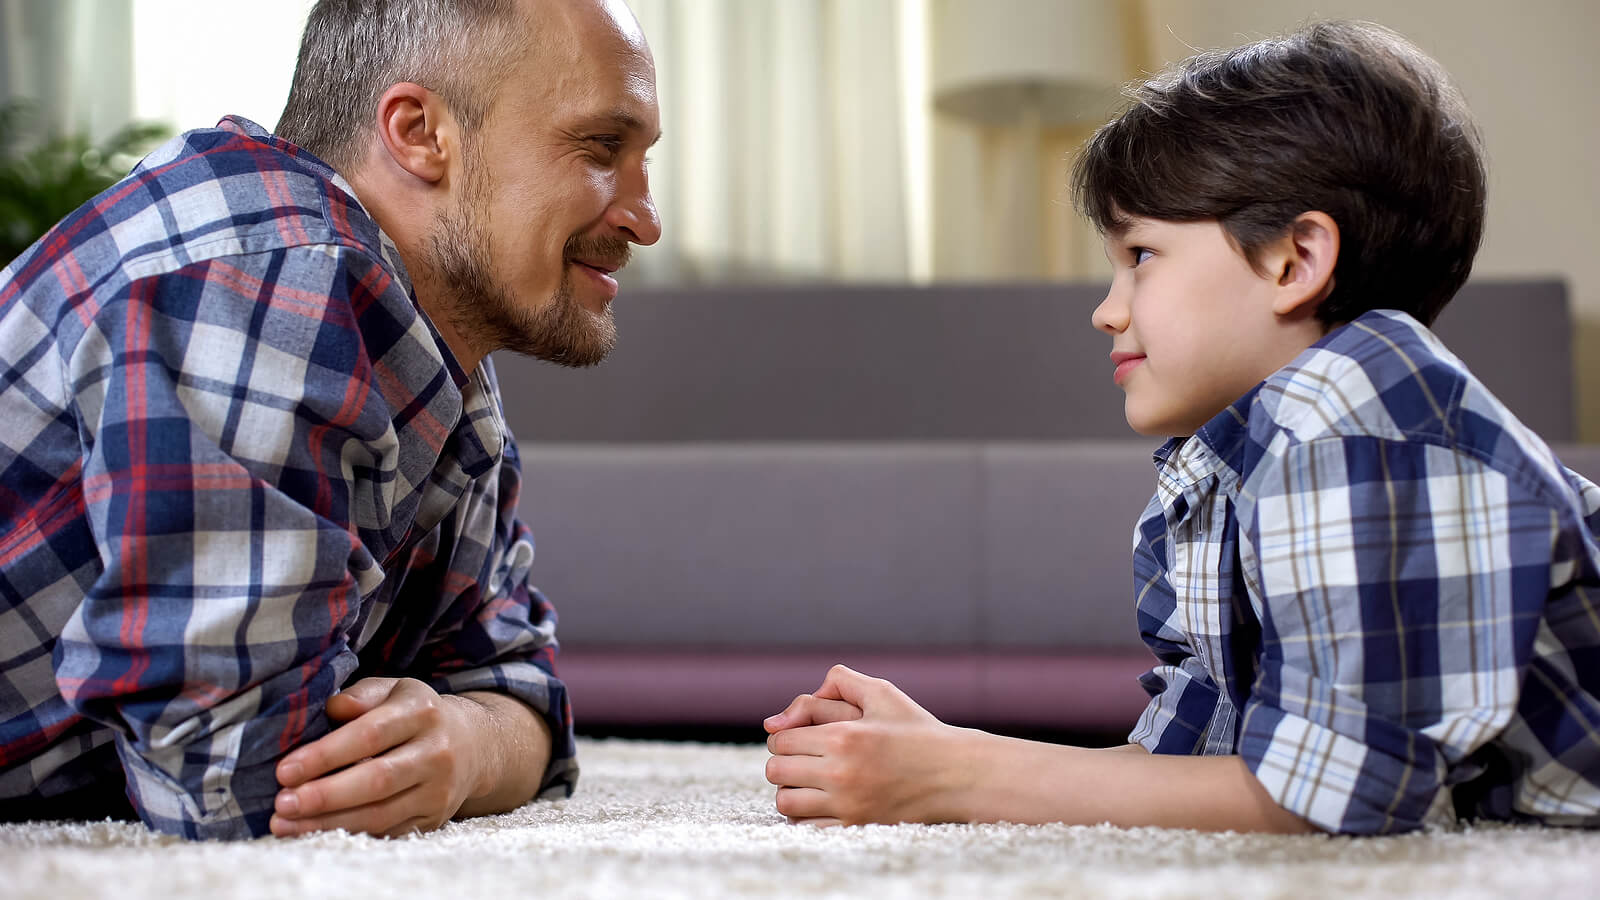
x: 1192, y: 324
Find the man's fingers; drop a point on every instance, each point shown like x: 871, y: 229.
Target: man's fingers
x: 386, y: 816
x: 368, y: 782
x: 413, y: 825
x: 808, y: 709
x: 359, y: 698
x: 370, y: 735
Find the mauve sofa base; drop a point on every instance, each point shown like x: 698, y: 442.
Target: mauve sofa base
x: 1092, y: 690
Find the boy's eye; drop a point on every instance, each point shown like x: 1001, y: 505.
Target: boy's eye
x: 1140, y: 254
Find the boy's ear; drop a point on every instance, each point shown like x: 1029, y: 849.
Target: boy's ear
x: 417, y: 131
x: 1303, y: 266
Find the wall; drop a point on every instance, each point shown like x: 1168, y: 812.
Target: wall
x: 1528, y: 70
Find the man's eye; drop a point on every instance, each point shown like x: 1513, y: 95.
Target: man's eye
x: 610, y: 143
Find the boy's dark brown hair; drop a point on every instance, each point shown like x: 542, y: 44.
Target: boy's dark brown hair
x: 1347, y: 118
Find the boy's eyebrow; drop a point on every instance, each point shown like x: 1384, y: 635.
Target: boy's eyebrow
x: 1121, y: 227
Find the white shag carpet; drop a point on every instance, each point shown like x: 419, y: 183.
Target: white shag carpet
x: 696, y: 821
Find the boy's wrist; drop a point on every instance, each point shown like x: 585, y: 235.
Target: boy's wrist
x: 971, y: 759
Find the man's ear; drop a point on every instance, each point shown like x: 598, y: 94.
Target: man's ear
x: 416, y: 129
x: 1304, y: 264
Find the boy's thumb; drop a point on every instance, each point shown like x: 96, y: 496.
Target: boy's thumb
x: 844, y: 683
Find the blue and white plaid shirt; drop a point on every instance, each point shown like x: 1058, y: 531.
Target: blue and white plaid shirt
x: 239, y: 470
x: 1371, y: 582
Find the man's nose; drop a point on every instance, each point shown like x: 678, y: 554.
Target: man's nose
x: 636, y: 217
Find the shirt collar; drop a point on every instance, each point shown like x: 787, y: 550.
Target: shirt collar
x: 1218, y: 447
x: 391, y: 253
x: 1224, y: 442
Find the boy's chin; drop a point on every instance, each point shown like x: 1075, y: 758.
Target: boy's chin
x: 1156, y: 426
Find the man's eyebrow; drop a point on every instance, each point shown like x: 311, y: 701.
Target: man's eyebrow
x: 627, y: 121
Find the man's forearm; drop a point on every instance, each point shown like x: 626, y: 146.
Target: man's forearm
x: 1031, y: 782
x: 514, y: 753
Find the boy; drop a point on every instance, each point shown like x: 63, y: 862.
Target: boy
x: 1374, y: 596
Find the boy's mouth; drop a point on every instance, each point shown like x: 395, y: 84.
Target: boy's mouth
x: 1125, y: 363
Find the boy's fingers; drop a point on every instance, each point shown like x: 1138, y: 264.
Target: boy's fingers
x: 795, y: 771
x: 803, y: 803
x: 845, y: 683
x: 808, y: 709
x: 818, y: 822
x: 811, y: 741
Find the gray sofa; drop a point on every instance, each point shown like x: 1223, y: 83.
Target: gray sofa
x: 931, y: 484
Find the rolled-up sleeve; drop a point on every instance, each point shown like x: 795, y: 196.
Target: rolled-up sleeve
x: 497, y: 632
x: 1400, y: 587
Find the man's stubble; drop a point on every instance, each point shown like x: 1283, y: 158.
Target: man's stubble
x: 486, y: 314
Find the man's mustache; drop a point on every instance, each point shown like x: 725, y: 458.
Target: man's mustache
x: 611, y: 252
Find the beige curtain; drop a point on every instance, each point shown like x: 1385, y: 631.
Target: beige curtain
x: 785, y: 147
x: 802, y: 142
x: 71, y: 59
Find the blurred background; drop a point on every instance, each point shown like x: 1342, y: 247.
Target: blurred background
x: 898, y: 141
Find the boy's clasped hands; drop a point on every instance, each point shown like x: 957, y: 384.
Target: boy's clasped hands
x: 859, y: 751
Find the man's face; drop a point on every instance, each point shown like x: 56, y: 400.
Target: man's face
x: 1191, y: 323
x: 554, y: 190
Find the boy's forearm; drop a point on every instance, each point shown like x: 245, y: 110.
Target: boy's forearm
x: 1029, y: 782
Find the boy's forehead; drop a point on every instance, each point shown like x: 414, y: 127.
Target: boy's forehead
x: 1125, y: 224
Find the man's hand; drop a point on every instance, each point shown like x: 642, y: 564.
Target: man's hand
x: 858, y: 750
x: 405, y: 759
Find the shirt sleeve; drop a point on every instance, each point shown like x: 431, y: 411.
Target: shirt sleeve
x: 496, y: 631
x: 1187, y: 713
x: 218, y: 472
x: 1399, y: 588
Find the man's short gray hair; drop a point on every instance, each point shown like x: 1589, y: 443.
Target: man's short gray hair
x: 354, y: 50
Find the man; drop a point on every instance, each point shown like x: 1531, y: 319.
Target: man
x: 259, y: 559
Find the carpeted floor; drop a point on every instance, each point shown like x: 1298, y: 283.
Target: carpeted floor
x: 696, y: 821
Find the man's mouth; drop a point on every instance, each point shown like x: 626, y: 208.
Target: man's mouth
x: 604, y: 267
x: 599, y: 273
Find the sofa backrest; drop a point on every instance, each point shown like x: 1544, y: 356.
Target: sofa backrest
x: 908, y: 545
x: 984, y: 362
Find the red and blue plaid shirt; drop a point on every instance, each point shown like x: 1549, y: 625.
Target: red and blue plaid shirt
x: 238, y: 471
x: 1370, y: 581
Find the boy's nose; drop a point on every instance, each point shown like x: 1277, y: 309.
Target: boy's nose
x: 1111, y: 316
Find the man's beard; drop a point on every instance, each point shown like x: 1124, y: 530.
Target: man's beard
x: 485, y: 313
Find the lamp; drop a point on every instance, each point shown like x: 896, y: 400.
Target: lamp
x: 1018, y: 67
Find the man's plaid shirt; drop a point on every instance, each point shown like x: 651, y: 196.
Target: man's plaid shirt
x: 238, y: 471
x: 1382, y: 591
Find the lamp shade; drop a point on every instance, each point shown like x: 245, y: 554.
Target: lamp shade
x: 997, y: 61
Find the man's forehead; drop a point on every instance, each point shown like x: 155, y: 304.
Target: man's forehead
x: 588, y: 26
